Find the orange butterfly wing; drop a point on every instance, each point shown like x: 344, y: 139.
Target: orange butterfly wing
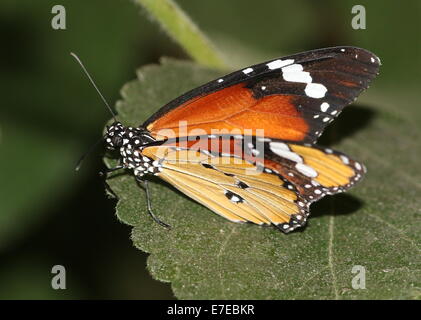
x: 293, y: 98
x: 231, y: 109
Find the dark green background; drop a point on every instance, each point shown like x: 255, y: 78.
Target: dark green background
x: 50, y: 115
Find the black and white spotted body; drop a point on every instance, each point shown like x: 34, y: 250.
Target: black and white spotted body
x: 130, y: 141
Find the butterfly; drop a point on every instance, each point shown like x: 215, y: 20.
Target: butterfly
x: 244, y: 145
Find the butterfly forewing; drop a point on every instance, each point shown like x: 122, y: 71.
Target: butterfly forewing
x: 292, y: 98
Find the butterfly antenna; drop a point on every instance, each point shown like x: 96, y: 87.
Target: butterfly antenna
x: 94, y: 85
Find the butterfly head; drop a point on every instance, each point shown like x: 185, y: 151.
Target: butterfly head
x: 119, y: 136
x: 114, y: 136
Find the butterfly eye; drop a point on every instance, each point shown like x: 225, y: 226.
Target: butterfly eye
x: 117, y: 141
x: 113, y: 140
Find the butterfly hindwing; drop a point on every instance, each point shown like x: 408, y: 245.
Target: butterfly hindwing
x: 314, y: 171
x: 293, y: 98
x: 275, y: 187
x: 233, y: 188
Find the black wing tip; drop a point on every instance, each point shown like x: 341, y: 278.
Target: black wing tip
x: 348, y: 50
x: 352, y: 52
x: 359, y: 54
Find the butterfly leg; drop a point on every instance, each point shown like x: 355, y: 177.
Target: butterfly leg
x: 104, y: 174
x: 109, y: 170
x: 148, y: 200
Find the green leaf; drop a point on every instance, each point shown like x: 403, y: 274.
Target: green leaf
x: 376, y: 225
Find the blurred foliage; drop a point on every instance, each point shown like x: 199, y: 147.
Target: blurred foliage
x: 50, y: 115
x: 182, y: 29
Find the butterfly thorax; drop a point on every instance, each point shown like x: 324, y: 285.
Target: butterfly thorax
x: 130, y: 143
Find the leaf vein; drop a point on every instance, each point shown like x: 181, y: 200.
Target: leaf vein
x: 218, y: 259
x: 330, y: 256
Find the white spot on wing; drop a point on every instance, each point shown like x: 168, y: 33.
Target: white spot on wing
x: 344, y: 159
x: 324, y: 106
x: 235, y: 199
x: 247, y: 71
x: 287, y: 154
x: 295, y: 73
x: 315, y: 183
x: 279, y: 145
x: 306, y: 170
x: 279, y: 63
x: 315, y: 90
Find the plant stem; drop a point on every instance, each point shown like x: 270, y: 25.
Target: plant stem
x: 183, y: 30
